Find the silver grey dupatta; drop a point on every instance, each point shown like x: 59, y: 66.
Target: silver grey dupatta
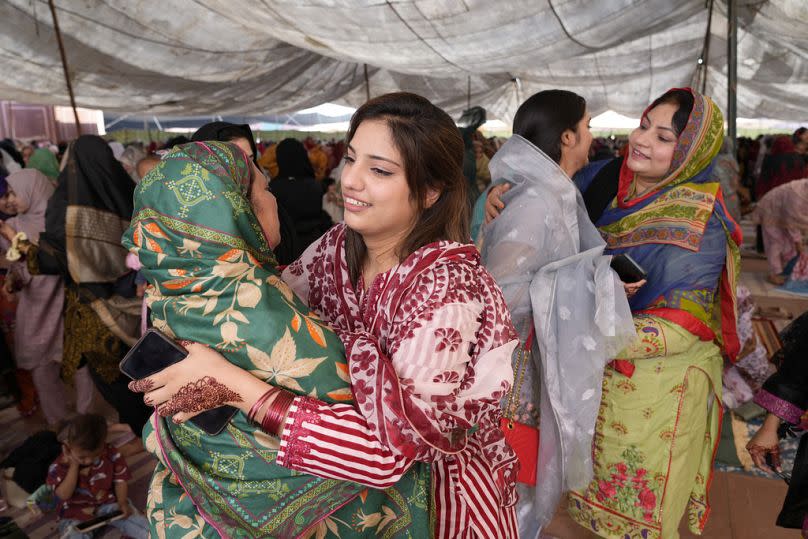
x: 548, y: 259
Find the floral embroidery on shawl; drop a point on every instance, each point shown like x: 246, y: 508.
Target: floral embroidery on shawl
x: 656, y: 223
x: 213, y: 280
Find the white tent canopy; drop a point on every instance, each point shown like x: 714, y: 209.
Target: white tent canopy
x: 203, y: 57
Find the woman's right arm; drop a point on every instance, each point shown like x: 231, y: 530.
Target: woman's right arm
x: 328, y: 440
x: 425, y: 419
x: 337, y: 440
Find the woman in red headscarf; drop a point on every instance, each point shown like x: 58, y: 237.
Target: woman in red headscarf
x: 781, y: 165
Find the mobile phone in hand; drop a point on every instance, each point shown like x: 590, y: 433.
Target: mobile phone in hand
x: 153, y: 353
x: 628, y: 269
x: 785, y: 476
x: 97, y: 522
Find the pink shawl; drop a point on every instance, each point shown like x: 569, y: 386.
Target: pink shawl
x: 33, y: 189
x: 39, y: 331
x: 785, y: 206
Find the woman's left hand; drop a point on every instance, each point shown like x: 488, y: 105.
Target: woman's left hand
x: 632, y: 288
x: 766, y: 443
x: 7, y: 231
x: 202, y: 381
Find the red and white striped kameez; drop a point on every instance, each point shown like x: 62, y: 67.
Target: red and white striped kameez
x: 429, y: 350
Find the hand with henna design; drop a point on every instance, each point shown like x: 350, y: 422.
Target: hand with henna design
x: 202, y: 381
x: 764, y: 443
x: 204, y: 394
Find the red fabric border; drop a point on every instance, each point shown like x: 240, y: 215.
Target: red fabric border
x: 684, y: 319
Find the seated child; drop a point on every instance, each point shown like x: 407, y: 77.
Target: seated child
x: 89, y: 479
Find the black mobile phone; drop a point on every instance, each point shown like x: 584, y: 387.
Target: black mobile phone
x: 785, y: 476
x: 97, y: 522
x: 628, y: 269
x: 153, y: 353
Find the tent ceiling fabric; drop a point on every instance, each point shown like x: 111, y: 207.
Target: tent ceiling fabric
x: 203, y: 57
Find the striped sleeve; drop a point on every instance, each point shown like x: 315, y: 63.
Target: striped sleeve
x: 334, y: 441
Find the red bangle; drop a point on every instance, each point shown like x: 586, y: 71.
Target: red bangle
x: 260, y: 403
x: 276, y: 412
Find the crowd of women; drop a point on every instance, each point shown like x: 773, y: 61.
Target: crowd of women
x: 387, y: 377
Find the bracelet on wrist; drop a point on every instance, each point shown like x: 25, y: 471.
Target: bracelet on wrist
x: 276, y: 413
x: 256, y: 408
x: 15, y: 252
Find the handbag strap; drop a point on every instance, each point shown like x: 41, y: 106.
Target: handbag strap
x: 521, y: 366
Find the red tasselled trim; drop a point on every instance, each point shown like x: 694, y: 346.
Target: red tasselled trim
x: 727, y: 293
x: 729, y: 321
x: 732, y: 226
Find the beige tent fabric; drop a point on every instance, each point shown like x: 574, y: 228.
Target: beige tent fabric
x: 207, y: 57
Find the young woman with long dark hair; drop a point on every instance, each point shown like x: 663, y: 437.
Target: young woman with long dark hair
x: 548, y: 258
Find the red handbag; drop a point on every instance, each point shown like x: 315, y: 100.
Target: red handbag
x: 523, y: 439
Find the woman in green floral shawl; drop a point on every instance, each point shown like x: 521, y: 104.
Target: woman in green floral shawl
x: 44, y: 161
x: 212, y: 280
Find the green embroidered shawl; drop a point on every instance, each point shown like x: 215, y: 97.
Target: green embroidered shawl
x: 213, y: 280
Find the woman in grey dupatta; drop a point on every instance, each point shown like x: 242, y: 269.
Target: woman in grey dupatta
x: 548, y: 259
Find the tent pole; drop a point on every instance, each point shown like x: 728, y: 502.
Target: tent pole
x: 64, y: 65
x: 367, y: 83
x: 705, y: 55
x: 732, y: 72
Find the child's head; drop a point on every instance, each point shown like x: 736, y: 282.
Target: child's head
x: 85, y: 436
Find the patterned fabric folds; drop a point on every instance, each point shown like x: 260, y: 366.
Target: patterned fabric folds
x: 212, y: 279
x: 683, y: 235
x: 555, y: 278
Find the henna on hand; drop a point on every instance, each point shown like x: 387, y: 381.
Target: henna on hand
x: 205, y: 394
x: 141, y: 386
x: 759, y: 454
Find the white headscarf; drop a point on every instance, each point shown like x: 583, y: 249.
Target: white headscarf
x: 117, y: 149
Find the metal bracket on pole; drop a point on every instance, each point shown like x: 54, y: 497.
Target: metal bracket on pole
x: 517, y: 86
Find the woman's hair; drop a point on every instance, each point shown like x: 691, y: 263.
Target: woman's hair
x: 545, y: 116
x: 293, y: 159
x: 432, y: 152
x: 84, y: 431
x: 683, y: 100
x: 226, y: 132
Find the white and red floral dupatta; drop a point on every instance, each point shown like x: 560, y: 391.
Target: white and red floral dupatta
x: 429, y: 346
